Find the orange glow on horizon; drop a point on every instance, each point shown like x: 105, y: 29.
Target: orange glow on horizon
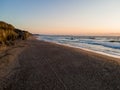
x: 76, y: 31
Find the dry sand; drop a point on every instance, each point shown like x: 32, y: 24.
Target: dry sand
x: 48, y: 66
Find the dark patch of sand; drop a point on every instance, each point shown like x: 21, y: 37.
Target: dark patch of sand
x: 48, y: 66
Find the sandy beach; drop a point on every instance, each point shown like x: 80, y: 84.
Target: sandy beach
x: 39, y: 65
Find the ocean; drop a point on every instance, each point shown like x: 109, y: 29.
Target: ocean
x: 107, y: 45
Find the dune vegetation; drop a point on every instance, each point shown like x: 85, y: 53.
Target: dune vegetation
x: 9, y: 34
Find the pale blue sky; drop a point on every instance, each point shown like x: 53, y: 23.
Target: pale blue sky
x: 62, y: 16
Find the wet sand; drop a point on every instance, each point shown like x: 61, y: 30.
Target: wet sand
x: 48, y: 66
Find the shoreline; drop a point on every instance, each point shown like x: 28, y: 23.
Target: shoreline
x: 88, y: 50
x: 48, y: 66
x: 105, y: 51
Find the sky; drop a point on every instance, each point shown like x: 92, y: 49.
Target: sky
x: 63, y: 17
